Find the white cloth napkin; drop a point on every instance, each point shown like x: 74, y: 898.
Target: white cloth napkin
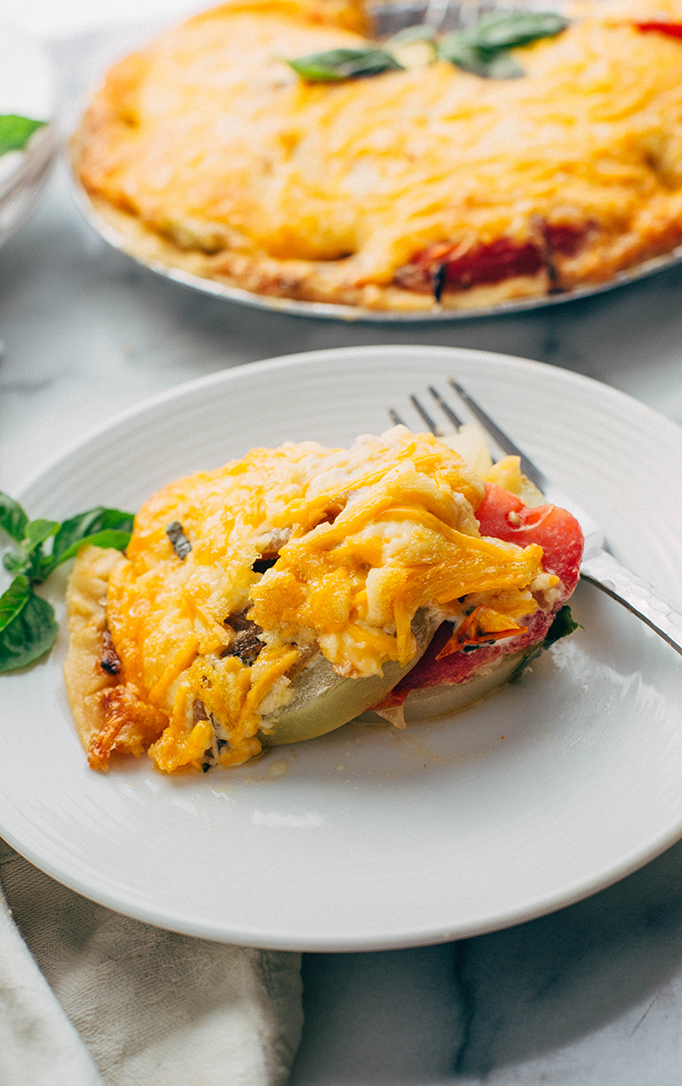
x: 89, y: 997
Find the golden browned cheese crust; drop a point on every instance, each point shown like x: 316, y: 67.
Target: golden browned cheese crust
x: 209, y: 153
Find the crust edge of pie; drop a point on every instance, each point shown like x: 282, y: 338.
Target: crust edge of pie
x: 85, y: 679
x: 286, y: 280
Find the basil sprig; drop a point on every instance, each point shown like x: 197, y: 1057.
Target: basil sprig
x: 472, y: 59
x: 28, y: 627
x: 99, y: 527
x: 338, y: 64
x: 483, y: 48
x: 15, y: 131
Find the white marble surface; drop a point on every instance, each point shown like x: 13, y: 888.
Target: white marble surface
x: 590, y: 996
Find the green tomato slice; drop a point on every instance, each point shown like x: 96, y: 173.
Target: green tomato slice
x: 323, y: 700
x: 445, y: 699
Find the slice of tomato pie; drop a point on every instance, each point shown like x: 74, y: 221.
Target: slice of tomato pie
x: 280, y: 596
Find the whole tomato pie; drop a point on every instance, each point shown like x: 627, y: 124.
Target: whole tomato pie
x: 457, y: 173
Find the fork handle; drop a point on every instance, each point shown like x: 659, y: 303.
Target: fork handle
x: 664, y: 617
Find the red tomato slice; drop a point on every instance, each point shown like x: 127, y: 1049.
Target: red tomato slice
x: 435, y: 269
x: 501, y: 259
x: 503, y: 516
x: 672, y: 30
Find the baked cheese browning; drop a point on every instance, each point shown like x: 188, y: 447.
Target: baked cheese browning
x: 208, y: 152
x: 358, y: 542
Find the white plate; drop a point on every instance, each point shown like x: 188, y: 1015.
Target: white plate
x: 374, y: 838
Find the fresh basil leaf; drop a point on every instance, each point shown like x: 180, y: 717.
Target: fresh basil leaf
x: 30, y: 634
x: 483, y: 48
x: 563, y: 625
x: 14, y: 600
x: 338, y: 64
x: 509, y: 29
x: 471, y: 59
x: 12, y: 517
x: 15, y: 563
x: 30, y: 556
x: 38, y: 531
x: 503, y: 66
x: 28, y: 627
x: 109, y: 537
x: 32, y: 546
x: 85, y: 526
x: 457, y: 50
x: 15, y: 131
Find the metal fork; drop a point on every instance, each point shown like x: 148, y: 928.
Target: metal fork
x: 441, y: 15
x: 598, y: 566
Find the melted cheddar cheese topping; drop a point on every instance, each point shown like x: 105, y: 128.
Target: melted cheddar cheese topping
x: 314, y: 551
x: 210, y: 153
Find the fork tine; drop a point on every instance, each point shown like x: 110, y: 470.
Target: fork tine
x: 445, y: 408
x: 431, y: 423
x: 527, y: 466
x: 436, y: 11
x: 395, y: 418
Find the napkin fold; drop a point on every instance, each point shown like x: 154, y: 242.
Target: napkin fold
x: 89, y: 997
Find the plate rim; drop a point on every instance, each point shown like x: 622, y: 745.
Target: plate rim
x: 229, y: 373
x: 357, y: 942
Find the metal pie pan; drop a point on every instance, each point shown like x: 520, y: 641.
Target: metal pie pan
x: 329, y: 311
